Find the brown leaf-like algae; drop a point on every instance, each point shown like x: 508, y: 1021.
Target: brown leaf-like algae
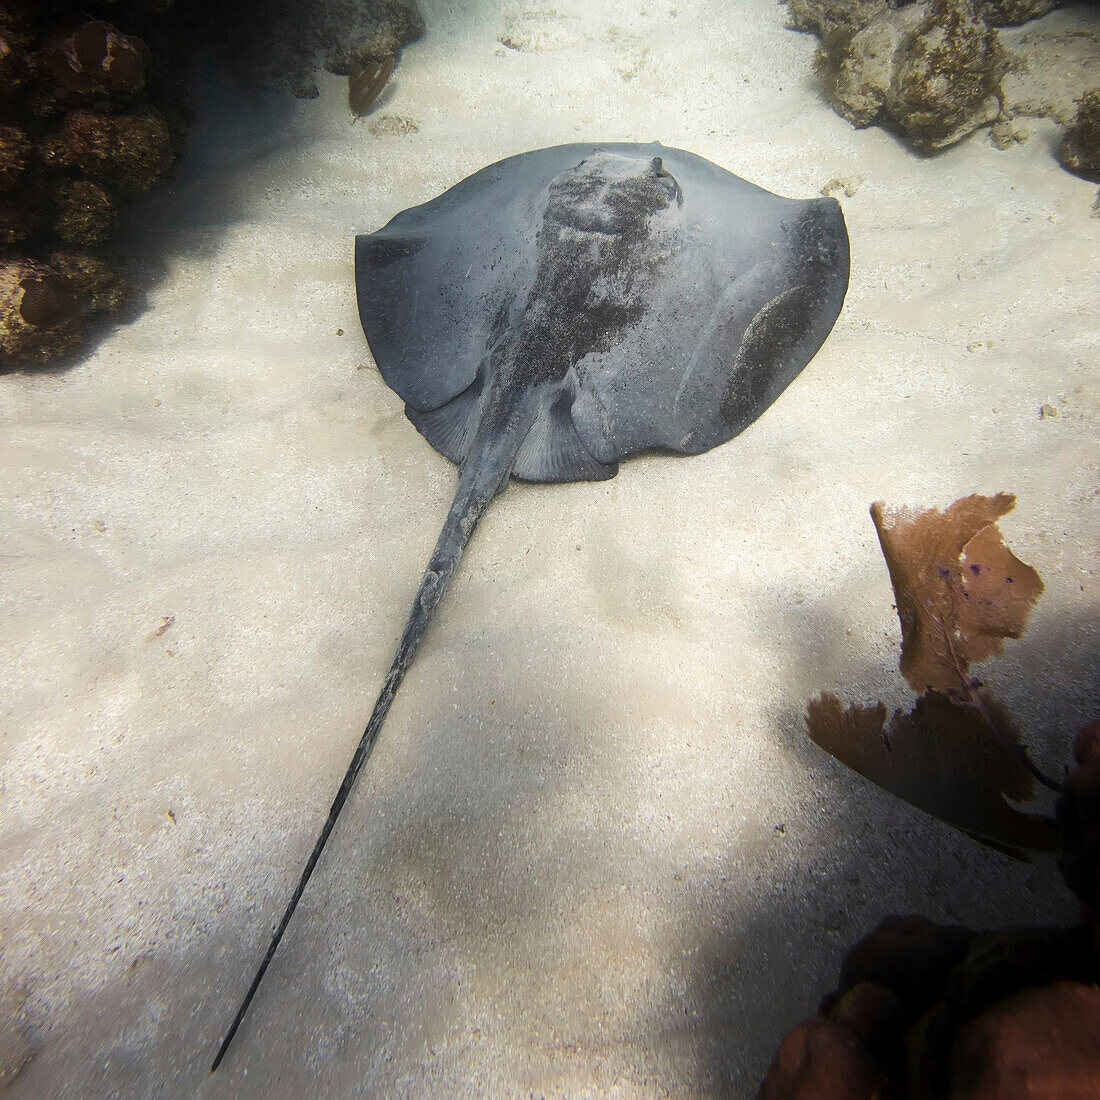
x: 960, y: 591
x: 944, y: 758
x: 365, y: 85
x: 957, y: 754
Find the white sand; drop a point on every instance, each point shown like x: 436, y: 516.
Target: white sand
x: 594, y: 853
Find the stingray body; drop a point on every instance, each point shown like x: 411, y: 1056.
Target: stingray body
x: 565, y: 308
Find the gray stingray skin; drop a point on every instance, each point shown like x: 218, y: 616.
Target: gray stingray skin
x: 565, y: 308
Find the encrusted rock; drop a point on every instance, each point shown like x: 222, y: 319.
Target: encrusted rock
x: 85, y: 212
x: 96, y: 59
x: 841, y: 19
x: 16, y: 38
x: 83, y: 110
x: 911, y: 956
x: 99, y: 288
x: 17, y: 222
x: 1080, y: 148
x: 1040, y: 1044
x: 279, y: 43
x: 375, y: 45
x: 836, y: 20
x: 931, y: 71
x: 876, y: 1015
x: 823, y: 1060
x: 859, y: 73
x: 45, y: 307
x: 133, y: 152
x: 35, y: 306
x: 1011, y: 13
x: 934, y: 71
x: 947, y: 76
x: 1006, y: 132
x: 942, y: 1011
x: 15, y: 155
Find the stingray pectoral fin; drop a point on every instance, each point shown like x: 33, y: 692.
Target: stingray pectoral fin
x: 422, y: 336
x: 380, y: 251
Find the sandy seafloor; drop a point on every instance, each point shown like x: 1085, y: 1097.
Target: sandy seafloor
x: 594, y: 853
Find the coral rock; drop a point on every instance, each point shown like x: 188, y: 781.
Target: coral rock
x: 1079, y: 817
x: 131, y: 151
x: 1011, y: 13
x: 932, y: 71
x: 947, y: 76
x: 99, y: 288
x: 836, y: 20
x: 392, y: 24
x: 858, y: 72
x: 999, y: 966
x: 17, y: 222
x: 85, y: 212
x: 1041, y: 1044
x: 277, y: 43
x: 365, y: 52
x: 35, y: 304
x: 822, y: 1060
x: 15, y: 156
x: 911, y: 956
x: 81, y: 130
x: 45, y: 308
x: 875, y: 1014
x: 95, y: 58
x: 13, y: 68
x: 1080, y: 148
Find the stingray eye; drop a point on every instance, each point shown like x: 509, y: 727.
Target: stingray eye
x: 666, y: 179
x: 657, y: 167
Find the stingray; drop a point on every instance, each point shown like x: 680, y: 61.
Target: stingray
x: 565, y: 308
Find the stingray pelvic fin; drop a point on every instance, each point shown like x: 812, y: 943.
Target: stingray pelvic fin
x: 552, y: 450
x: 450, y: 428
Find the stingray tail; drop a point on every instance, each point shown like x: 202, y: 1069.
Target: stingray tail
x: 484, y: 472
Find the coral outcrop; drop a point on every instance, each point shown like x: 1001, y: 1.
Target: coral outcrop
x: 1080, y: 148
x: 1011, y: 13
x: 934, y: 71
x: 931, y: 71
x: 45, y: 304
x: 84, y: 127
x: 90, y: 117
x: 827, y: 17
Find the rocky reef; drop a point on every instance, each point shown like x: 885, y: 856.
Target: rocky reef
x: 1080, y: 148
x: 925, y: 1011
x: 829, y: 17
x: 88, y: 120
x: 93, y: 114
x: 934, y: 71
